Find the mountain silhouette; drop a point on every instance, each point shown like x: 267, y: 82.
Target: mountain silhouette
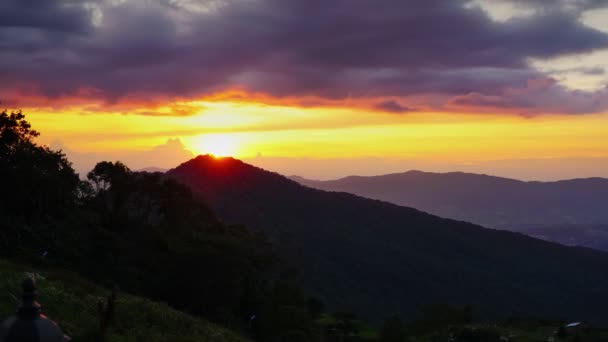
x: 377, y: 259
x: 571, y: 212
x: 486, y: 200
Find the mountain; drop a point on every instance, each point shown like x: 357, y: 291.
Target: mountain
x: 153, y: 169
x: 377, y: 259
x: 570, y: 212
x: 486, y: 200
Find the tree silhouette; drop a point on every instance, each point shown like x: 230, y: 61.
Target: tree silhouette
x: 38, y: 185
x: 106, y: 174
x: 15, y: 130
x: 393, y: 330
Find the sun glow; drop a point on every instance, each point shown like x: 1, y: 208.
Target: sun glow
x: 219, y: 145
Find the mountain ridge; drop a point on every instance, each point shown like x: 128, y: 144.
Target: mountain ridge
x: 421, y: 172
x: 483, y: 199
x: 376, y: 259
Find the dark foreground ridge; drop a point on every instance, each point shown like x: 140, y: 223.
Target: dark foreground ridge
x: 376, y: 258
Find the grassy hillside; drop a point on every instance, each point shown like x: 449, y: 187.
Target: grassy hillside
x: 72, y: 302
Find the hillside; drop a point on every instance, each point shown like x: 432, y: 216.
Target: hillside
x: 376, y: 258
x: 486, y: 200
x: 72, y: 302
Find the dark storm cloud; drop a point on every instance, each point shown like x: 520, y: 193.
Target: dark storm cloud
x: 542, y: 95
x: 66, y: 16
x: 284, y: 48
x: 392, y: 106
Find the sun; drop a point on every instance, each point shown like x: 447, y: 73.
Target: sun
x: 219, y: 145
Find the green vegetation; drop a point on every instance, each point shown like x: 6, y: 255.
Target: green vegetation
x: 72, y: 301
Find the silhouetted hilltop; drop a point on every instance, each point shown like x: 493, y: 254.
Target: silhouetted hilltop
x: 377, y: 258
x: 486, y: 200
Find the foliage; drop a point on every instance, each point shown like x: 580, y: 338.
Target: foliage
x: 37, y: 183
x: 393, y: 330
x: 15, y: 130
x: 441, y: 316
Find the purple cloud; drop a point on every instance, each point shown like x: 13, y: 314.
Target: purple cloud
x: 541, y: 95
x: 391, y: 106
x: 285, y: 48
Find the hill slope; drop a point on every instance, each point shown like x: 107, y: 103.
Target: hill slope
x: 72, y: 302
x: 376, y: 258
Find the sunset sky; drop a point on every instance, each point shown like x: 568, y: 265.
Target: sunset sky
x: 322, y: 89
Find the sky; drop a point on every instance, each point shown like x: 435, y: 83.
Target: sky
x: 320, y: 89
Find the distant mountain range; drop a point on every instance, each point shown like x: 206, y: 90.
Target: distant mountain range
x: 486, y: 200
x: 571, y: 211
x: 153, y: 169
x: 376, y: 259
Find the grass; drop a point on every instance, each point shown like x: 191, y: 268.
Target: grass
x: 72, y: 302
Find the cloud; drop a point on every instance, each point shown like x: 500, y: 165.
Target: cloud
x: 51, y: 16
x: 135, y: 49
x: 165, y: 156
x: 571, y: 5
x: 392, y: 106
x: 543, y: 94
x: 593, y: 71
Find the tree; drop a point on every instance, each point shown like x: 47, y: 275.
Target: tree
x: 561, y: 332
x: 467, y: 313
x: 36, y: 181
x: 111, y: 184
x: 15, y: 130
x: 39, y: 189
x: 393, y: 330
x: 107, y: 174
x: 315, y: 307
